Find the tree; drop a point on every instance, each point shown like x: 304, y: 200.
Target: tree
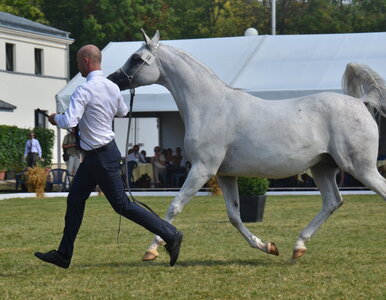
x: 102, y: 21
x: 29, y: 9
x: 369, y: 15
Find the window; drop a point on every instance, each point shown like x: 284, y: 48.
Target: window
x: 10, y: 59
x: 38, y: 61
x: 40, y: 119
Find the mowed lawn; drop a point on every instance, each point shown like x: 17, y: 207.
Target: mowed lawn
x: 346, y: 258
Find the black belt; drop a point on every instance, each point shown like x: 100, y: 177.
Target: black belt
x: 100, y: 149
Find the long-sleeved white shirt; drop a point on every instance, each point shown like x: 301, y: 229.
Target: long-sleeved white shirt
x: 93, y: 105
x: 32, y: 146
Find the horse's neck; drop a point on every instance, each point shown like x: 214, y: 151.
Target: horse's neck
x: 190, y: 82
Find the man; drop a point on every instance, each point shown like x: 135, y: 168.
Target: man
x: 136, y: 155
x: 72, y: 152
x: 93, y: 106
x: 32, y: 151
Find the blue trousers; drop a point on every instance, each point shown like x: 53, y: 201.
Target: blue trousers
x: 102, y: 167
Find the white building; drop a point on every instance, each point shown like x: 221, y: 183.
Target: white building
x: 34, y: 66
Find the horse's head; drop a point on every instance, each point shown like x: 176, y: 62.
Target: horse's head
x: 141, y: 68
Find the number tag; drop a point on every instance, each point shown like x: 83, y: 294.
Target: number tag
x: 148, y: 57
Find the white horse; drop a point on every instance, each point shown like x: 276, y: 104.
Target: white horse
x: 230, y: 133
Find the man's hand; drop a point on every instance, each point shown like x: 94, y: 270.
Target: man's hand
x: 51, y: 119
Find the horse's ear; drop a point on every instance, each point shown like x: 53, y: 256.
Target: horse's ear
x: 145, y: 37
x: 155, y: 38
x: 153, y: 41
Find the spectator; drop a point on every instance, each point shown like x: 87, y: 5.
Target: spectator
x: 159, y: 165
x: 169, y: 166
x: 144, y: 154
x: 178, y: 159
x: 32, y: 151
x: 136, y: 155
x: 71, y: 152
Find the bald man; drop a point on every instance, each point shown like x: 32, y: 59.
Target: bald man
x: 93, y: 106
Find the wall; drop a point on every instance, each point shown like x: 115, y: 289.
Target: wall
x: 25, y: 90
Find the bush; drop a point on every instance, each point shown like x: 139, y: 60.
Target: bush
x: 249, y: 186
x: 12, y: 144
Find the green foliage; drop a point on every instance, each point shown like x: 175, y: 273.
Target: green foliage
x: 29, y: 9
x: 12, y: 145
x: 249, y: 186
x: 46, y: 139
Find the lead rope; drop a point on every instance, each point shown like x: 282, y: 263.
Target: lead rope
x: 126, y: 176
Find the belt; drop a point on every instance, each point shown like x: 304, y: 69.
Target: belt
x: 100, y: 149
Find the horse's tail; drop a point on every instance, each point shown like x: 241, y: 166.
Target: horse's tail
x: 362, y: 82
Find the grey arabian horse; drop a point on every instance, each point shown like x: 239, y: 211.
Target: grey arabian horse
x: 229, y: 133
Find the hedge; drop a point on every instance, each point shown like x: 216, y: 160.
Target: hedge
x: 12, y: 144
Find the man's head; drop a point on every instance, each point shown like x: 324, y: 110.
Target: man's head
x: 89, y: 59
x: 32, y: 135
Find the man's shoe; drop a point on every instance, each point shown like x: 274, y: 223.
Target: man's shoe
x: 173, y: 248
x: 54, y: 257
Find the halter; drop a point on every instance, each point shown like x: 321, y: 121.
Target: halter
x: 147, y: 57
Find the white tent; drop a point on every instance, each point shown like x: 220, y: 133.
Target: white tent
x: 270, y: 67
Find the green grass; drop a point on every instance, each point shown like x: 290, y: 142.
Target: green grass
x: 346, y: 258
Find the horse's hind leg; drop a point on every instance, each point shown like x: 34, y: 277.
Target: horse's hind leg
x: 371, y: 178
x: 324, y: 176
x: 230, y: 191
x: 197, y: 177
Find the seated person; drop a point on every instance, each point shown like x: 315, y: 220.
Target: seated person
x: 136, y: 155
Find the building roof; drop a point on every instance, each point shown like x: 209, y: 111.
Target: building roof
x: 269, y: 66
x: 5, y: 106
x: 10, y: 21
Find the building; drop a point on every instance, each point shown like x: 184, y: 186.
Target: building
x: 34, y: 66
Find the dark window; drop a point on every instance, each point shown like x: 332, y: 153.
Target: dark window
x: 38, y: 61
x: 40, y: 119
x: 9, y: 53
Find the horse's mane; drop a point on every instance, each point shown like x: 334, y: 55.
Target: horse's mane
x: 189, y: 58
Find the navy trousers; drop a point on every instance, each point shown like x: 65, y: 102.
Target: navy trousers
x: 102, y: 167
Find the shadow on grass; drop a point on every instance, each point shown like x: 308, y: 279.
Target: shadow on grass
x: 188, y: 263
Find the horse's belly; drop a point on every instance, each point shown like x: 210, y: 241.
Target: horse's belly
x: 282, y: 171
x: 270, y: 166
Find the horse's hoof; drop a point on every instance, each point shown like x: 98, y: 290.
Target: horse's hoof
x: 298, y: 253
x: 272, y: 249
x: 150, y: 255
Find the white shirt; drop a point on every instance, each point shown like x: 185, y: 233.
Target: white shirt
x: 32, y: 146
x: 93, y: 105
x: 138, y: 157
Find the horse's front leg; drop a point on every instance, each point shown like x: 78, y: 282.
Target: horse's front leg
x: 231, y: 195
x: 197, y: 177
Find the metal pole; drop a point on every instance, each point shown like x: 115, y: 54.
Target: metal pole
x: 273, y: 16
x: 59, y: 145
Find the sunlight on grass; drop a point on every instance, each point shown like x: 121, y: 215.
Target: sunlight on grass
x: 345, y: 258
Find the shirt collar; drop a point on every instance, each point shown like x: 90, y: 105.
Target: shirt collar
x: 93, y: 74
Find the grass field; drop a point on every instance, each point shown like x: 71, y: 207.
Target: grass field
x: 346, y: 258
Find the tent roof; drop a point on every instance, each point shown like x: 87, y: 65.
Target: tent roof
x: 270, y: 67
